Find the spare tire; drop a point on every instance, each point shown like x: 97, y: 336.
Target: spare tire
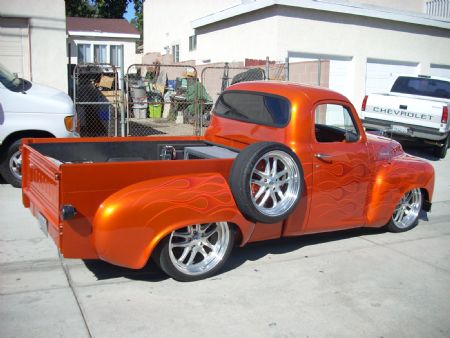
x: 266, y: 180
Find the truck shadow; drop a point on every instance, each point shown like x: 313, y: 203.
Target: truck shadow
x: 104, y: 271
x: 258, y: 250
x: 250, y: 252
x: 422, y: 150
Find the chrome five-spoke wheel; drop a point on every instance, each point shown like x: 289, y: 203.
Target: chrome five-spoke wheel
x: 406, y: 213
x: 196, y: 251
x: 274, y: 183
x: 266, y: 180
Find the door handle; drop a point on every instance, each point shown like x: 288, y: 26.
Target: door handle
x: 324, y: 157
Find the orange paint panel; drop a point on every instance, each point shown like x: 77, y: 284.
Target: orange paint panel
x: 130, y: 223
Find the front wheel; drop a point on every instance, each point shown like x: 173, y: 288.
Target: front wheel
x: 406, y: 213
x: 11, y: 168
x: 196, y: 251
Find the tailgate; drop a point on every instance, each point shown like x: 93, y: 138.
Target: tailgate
x: 41, y: 190
x: 404, y: 109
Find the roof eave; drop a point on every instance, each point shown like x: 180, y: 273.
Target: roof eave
x: 325, y: 5
x: 103, y: 34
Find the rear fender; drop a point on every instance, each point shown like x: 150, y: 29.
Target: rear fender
x: 130, y: 223
x: 392, y: 181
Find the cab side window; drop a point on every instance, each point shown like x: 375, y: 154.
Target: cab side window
x: 334, y: 123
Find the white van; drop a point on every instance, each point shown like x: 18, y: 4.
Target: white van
x: 29, y: 110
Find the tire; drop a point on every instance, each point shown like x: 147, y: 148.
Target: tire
x: 195, y: 252
x: 441, y: 152
x: 407, y: 211
x: 11, y: 167
x: 266, y: 180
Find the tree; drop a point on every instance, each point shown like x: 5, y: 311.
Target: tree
x: 113, y: 9
x: 138, y: 20
x: 139, y: 15
x: 83, y: 8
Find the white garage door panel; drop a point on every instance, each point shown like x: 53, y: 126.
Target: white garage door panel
x: 14, y: 46
x: 380, y: 75
x: 340, y: 77
x: 440, y: 70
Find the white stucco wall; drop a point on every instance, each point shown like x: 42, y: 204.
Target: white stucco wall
x: 168, y: 23
x: 362, y: 39
x: 255, y: 38
x: 47, y: 39
x: 279, y: 31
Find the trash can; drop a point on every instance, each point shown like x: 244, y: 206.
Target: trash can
x: 139, y: 101
x: 154, y: 110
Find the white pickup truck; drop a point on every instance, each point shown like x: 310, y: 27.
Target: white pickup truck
x: 416, y: 108
x: 29, y: 110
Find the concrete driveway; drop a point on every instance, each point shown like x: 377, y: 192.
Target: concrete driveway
x: 359, y: 283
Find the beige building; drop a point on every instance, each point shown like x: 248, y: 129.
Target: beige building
x: 33, y: 40
x: 354, y: 47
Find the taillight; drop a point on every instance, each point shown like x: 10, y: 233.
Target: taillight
x: 363, y: 106
x: 444, y: 118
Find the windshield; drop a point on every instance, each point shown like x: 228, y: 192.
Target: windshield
x: 270, y: 110
x: 422, y: 86
x: 9, y: 80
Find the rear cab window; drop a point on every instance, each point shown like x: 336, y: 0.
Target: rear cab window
x: 252, y: 107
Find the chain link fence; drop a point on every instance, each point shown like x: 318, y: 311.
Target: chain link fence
x: 158, y: 99
x: 164, y: 99
x: 96, y: 97
x: 215, y: 78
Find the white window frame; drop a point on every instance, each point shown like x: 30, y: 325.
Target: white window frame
x: 87, y: 56
x: 104, y: 52
x: 176, y: 53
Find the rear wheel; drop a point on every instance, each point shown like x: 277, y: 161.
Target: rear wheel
x: 406, y: 213
x: 11, y: 167
x: 195, y: 252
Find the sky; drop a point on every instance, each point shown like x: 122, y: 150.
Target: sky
x: 130, y: 11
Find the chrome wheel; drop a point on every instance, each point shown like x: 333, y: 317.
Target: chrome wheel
x: 15, y: 164
x: 407, y: 210
x: 198, y: 248
x: 274, y: 183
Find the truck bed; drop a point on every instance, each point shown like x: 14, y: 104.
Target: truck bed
x: 65, y: 172
x: 96, y: 152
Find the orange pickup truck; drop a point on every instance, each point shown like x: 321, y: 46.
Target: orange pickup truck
x: 277, y: 160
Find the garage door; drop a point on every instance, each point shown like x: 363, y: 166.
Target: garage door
x: 440, y: 70
x: 334, y: 72
x: 381, y: 74
x: 14, y: 46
